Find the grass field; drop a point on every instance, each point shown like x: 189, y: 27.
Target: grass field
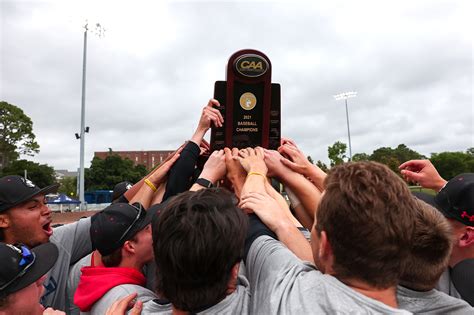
x: 421, y: 189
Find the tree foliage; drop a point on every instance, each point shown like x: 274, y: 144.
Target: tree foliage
x: 360, y: 157
x: 40, y: 174
x: 106, y: 173
x: 322, y: 166
x: 337, y: 153
x: 450, y: 164
x: 68, y: 186
x: 394, y: 157
x: 16, y: 134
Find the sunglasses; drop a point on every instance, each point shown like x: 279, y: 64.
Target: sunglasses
x: 26, y: 261
x: 139, y: 214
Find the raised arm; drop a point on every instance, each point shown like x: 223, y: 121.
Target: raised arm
x: 306, y: 192
x: 295, y: 159
x: 210, y: 115
x: 252, y: 160
x: 275, y: 215
x: 129, y: 194
x: 424, y: 173
x: 213, y: 171
x: 151, y: 183
x: 235, y: 172
x: 183, y: 170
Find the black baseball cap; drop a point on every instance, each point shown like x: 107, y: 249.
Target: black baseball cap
x: 116, y: 224
x: 120, y: 189
x: 15, y: 190
x: 21, y: 266
x: 455, y: 200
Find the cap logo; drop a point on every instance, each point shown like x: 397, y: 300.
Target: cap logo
x: 465, y: 215
x: 128, y: 186
x: 27, y: 182
x: 251, y: 65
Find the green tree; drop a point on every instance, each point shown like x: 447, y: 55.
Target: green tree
x: 106, y: 173
x: 360, y: 157
x: 322, y: 166
x: 394, y: 157
x: 337, y: 153
x: 450, y: 164
x: 68, y: 186
x: 16, y: 134
x: 310, y: 159
x: 41, y: 175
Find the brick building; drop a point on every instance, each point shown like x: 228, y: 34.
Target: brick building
x: 149, y: 159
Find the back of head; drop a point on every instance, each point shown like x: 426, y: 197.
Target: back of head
x: 367, y: 212
x: 430, y: 251
x: 198, y: 238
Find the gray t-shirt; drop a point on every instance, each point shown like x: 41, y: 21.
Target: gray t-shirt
x: 235, y: 303
x: 100, y: 307
x: 431, y: 302
x: 73, y: 242
x: 73, y: 282
x: 280, y: 283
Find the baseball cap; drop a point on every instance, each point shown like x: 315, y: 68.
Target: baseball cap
x: 120, y: 189
x: 21, y: 266
x: 116, y: 224
x: 15, y: 190
x: 455, y: 200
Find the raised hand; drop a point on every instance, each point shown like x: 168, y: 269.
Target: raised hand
x: 422, y: 172
x: 287, y: 141
x: 296, y: 160
x: 205, y: 147
x: 209, y: 115
x: 215, y: 167
x: 252, y: 160
x: 160, y: 173
x: 266, y: 208
x: 121, y: 306
x: 273, y: 160
x: 235, y: 172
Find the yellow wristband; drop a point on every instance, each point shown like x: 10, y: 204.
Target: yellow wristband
x: 150, y: 184
x: 256, y: 173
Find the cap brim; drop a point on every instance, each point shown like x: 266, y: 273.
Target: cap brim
x: 46, y: 256
x: 47, y: 190
x: 150, y: 213
x: 431, y: 200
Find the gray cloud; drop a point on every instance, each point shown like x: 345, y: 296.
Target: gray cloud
x: 149, y: 77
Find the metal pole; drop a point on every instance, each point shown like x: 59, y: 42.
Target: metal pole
x: 83, y: 114
x: 348, y: 132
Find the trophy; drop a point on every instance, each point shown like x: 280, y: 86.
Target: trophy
x: 250, y: 104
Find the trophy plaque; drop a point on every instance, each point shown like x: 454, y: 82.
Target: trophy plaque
x: 250, y: 104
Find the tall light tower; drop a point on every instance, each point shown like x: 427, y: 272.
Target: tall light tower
x: 344, y: 96
x: 99, y: 31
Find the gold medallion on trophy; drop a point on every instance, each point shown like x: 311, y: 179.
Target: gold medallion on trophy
x: 248, y: 101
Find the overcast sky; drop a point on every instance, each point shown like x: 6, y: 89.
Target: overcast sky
x: 150, y: 76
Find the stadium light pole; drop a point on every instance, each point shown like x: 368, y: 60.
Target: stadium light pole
x: 344, y: 96
x: 99, y: 31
